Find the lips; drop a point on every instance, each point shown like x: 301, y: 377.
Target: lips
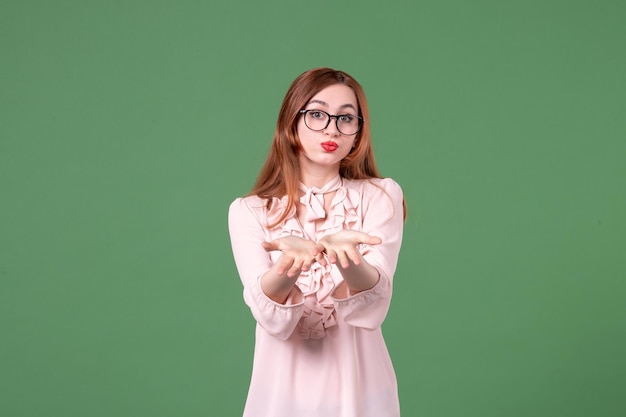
x: 330, y: 146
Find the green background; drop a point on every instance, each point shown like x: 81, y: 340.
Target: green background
x: 127, y: 128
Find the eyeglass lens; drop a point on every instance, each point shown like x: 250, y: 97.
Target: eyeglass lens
x: 347, y: 124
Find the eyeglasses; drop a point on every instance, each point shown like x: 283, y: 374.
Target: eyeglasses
x: 347, y: 124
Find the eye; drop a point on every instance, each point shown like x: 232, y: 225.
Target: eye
x: 316, y: 114
x: 347, y: 118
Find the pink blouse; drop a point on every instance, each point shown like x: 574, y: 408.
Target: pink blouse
x: 319, y: 355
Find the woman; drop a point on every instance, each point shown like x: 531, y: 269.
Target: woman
x: 316, y: 244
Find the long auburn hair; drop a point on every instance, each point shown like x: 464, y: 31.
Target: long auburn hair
x: 280, y: 174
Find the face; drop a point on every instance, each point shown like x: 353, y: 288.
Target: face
x: 324, y: 150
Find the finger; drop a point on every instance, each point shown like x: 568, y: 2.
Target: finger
x: 295, y: 269
x: 371, y: 240
x: 332, y: 256
x: 317, y: 249
x: 354, y: 255
x: 306, y: 265
x: 317, y: 253
x: 293, y: 272
x: 283, y: 264
x: 321, y: 259
x: 342, y: 259
x: 270, y: 246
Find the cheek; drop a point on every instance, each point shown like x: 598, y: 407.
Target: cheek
x: 300, y: 126
x: 347, y: 149
x: 300, y: 132
x: 306, y: 136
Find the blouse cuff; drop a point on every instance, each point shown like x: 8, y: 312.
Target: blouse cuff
x: 294, y: 299
x: 366, y: 309
x: 277, y: 319
x: 363, y: 297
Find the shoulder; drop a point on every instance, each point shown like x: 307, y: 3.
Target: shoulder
x: 262, y: 210
x: 378, y: 196
x: 247, y: 205
x: 375, y: 187
x: 250, y: 201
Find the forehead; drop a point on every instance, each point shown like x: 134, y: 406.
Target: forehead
x: 336, y: 95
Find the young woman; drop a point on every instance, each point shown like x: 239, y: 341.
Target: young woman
x: 316, y: 244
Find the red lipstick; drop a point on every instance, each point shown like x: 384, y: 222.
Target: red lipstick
x: 329, y: 146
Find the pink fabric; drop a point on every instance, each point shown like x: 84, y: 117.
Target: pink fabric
x: 319, y: 355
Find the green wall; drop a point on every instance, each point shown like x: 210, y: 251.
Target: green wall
x: 127, y: 127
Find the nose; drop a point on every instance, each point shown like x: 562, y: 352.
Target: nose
x: 331, y: 129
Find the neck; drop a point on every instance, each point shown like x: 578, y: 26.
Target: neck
x: 317, y: 178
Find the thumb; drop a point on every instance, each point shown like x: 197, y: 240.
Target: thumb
x: 371, y: 240
x: 270, y: 246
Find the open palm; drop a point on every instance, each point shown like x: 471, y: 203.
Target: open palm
x: 341, y: 247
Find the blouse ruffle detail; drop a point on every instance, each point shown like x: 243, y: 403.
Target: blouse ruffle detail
x: 317, y: 284
x: 319, y: 310
x: 342, y: 213
x: 313, y: 198
x: 277, y: 208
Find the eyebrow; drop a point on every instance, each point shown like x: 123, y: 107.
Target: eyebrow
x: 323, y: 103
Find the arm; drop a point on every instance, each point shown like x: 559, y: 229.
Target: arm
x: 342, y: 251
x: 247, y: 234
x: 383, y: 218
x: 297, y: 255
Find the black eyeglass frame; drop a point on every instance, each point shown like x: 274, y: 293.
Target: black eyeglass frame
x: 330, y: 116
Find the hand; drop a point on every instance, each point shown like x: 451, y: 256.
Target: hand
x: 297, y: 254
x: 341, y: 246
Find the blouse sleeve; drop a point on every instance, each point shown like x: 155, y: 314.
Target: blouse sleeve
x: 246, y: 235
x: 383, y: 216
